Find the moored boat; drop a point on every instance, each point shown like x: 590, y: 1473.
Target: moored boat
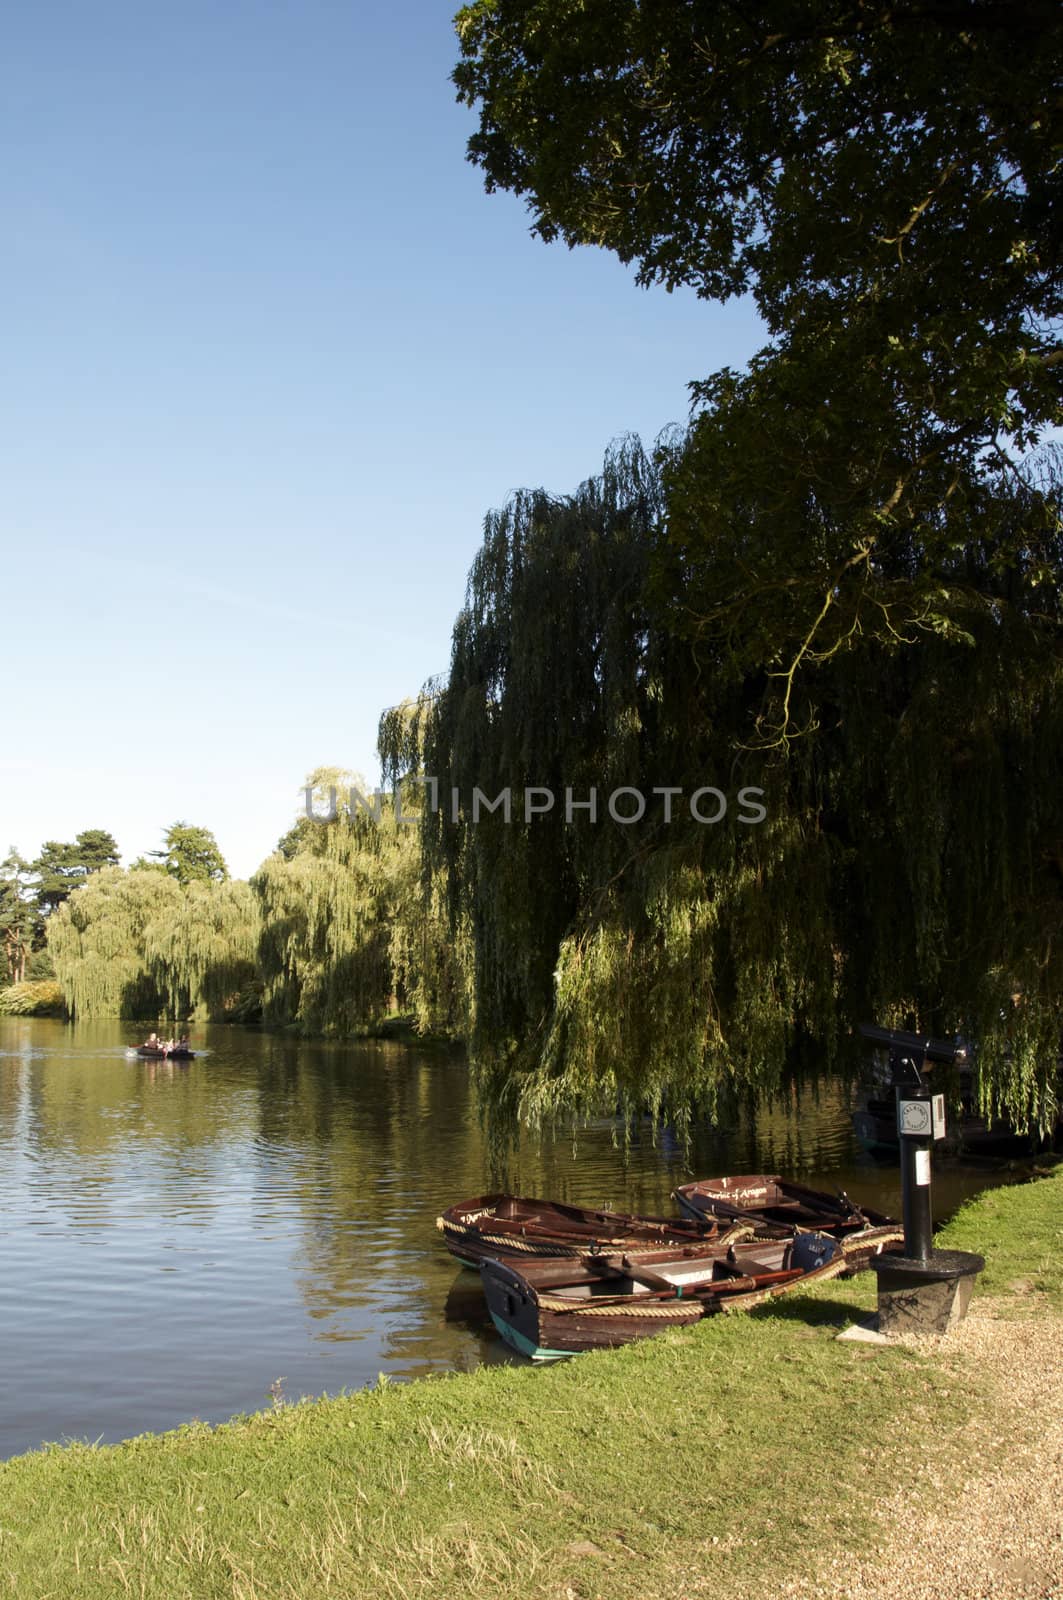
x: 548, y: 1309
x: 776, y: 1206
x: 505, y: 1225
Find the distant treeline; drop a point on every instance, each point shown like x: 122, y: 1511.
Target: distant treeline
x: 333, y: 935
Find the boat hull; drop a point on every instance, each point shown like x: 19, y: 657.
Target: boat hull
x: 548, y: 1309
x: 532, y: 1326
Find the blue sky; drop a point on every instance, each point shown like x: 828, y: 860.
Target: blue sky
x: 270, y: 354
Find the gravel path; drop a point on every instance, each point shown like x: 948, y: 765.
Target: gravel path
x: 998, y: 1530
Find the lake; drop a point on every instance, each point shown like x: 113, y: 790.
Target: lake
x: 188, y: 1241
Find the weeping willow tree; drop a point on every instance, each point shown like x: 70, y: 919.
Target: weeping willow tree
x: 907, y: 867
x: 96, y: 940
x: 202, y: 955
x: 557, y: 687
x: 605, y: 951
x: 350, y: 935
x: 430, y: 958
x: 139, y: 944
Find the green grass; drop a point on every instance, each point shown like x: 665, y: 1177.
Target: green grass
x: 1020, y: 1233
x: 717, y: 1451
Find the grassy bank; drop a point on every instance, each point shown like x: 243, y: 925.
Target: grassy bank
x: 714, y: 1450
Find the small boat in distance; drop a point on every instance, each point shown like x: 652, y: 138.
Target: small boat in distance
x: 157, y: 1049
x: 510, y: 1226
x: 549, y: 1309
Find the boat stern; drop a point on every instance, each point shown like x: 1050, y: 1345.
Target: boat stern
x: 514, y: 1308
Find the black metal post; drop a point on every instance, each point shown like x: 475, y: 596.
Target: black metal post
x: 915, y: 1179
x: 925, y: 1290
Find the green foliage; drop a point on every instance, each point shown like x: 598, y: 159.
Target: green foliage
x: 41, y: 999
x: 20, y: 920
x: 349, y: 935
x: 815, y: 155
x: 885, y: 186
x: 852, y: 585
x: 909, y: 869
x: 202, y: 954
x: 191, y: 855
x: 62, y: 868
x: 139, y: 944
x: 337, y: 932
x: 39, y: 967
x: 637, y: 966
x: 97, y: 942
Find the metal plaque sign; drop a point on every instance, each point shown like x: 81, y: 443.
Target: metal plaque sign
x: 915, y: 1119
x: 922, y: 1119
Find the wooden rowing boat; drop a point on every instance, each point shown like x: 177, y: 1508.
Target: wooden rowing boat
x: 547, y: 1309
x: 776, y: 1206
x: 504, y: 1226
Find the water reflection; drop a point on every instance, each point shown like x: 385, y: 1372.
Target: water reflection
x: 175, y: 1237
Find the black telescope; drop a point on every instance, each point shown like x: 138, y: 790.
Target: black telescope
x: 916, y: 1046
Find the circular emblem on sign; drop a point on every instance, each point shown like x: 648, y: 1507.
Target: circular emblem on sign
x: 915, y: 1116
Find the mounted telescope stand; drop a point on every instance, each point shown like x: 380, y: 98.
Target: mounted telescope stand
x: 924, y: 1290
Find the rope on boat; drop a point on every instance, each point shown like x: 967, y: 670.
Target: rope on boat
x: 510, y: 1243
x: 873, y: 1239
x: 672, y: 1312
x: 736, y: 1233
x: 876, y: 1239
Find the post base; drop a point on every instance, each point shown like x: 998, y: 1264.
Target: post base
x: 928, y: 1296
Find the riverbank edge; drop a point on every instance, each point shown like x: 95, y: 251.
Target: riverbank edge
x: 727, y: 1448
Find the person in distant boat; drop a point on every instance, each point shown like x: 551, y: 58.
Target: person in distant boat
x: 152, y: 1042
x: 182, y: 1043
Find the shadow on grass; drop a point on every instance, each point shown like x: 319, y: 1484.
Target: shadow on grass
x: 816, y: 1313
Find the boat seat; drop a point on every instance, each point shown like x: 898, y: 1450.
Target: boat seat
x: 677, y: 1277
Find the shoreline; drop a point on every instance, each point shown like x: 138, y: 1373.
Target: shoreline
x: 735, y: 1447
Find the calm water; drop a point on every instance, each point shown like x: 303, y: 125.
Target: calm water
x: 176, y: 1240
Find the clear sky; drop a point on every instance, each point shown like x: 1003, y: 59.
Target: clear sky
x: 269, y: 355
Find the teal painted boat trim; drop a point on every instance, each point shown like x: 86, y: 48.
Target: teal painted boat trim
x: 524, y: 1346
